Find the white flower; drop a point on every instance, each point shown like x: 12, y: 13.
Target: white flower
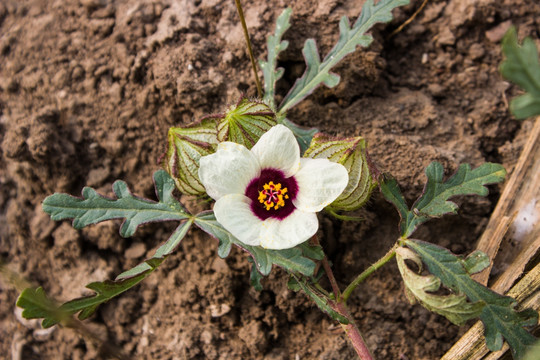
x: 268, y: 196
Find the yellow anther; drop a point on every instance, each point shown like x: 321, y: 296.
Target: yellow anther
x: 272, y: 196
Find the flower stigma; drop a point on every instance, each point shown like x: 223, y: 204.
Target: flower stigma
x: 273, y: 196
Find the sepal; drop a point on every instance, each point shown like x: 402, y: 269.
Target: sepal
x: 186, y: 146
x: 245, y: 122
x: 352, y: 154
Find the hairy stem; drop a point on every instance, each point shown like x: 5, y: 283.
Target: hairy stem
x: 250, y: 50
x: 389, y: 255
x: 352, y: 331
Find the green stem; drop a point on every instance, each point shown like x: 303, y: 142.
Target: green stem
x: 389, y: 255
x: 250, y: 50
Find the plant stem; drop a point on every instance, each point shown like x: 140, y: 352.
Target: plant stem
x: 250, y: 50
x: 389, y: 255
x: 353, y: 332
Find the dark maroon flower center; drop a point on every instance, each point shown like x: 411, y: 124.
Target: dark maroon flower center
x: 272, y: 194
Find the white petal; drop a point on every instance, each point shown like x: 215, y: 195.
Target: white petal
x: 234, y: 213
x: 278, y: 149
x: 289, y: 232
x: 228, y: 170
x: 320, y: 182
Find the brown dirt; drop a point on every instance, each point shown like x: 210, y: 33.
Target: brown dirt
x: 88, y: 89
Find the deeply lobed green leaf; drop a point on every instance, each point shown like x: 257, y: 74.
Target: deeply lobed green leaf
x: 500, y: 318
x: 521, y: 66
x: 318, y: 72
x: 434, y: 200
x: 421, y: 288
x: 275, y: 46
x: 94, y: 208
x: 36, y: 305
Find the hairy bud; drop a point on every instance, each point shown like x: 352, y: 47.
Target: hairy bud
x: 186, y: 146
x: 245, y: 122
x: 351, y: 153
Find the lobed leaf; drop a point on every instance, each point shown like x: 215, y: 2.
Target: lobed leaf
x: 318, y: 72
x: 434, y: 200
x: 37, y: 305
x: 292, y: 259
x: 499, y: 316
x: 421, y: 288
x: 275, y: 46
x: 94, y: 208
x: 521, y: 66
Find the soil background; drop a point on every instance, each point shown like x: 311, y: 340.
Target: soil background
x: 88, y: 89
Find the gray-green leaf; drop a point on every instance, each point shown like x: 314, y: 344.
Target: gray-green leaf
x: 318, y: 72
x: 421, y: 288
x: 498, y: 315
x: 275, y: 46
x: 434, y: 200
x: 521, y: 66
x: 94, y: 208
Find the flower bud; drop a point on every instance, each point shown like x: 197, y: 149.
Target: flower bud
x: 186, y: 146
x: 352, y: 154
x: 245, y: 122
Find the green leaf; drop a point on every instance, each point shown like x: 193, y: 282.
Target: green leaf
x: 391, y: 192
x: 275, y: 46
x: 94, y: 208
x: 186, y: 146
x: 289, y: 259
x: 245, y: 122
x: 255, y: 276
x: 319, y: 299
x: 303, y: 135
x: 434, y: 201
x: 318, y: 72
x: 521, y: 66
x: 352, y: 154
x: 499, y: 316
x: 421, y: 288
x: 36, y: 305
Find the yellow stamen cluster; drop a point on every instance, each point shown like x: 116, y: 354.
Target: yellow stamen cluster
x: 273, y: 196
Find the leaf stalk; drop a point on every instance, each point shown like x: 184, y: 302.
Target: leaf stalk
x: 360, y: 278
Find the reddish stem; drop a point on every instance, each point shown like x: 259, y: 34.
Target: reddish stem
x: 352, y: 331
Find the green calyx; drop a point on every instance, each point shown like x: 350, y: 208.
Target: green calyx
x: 186, y: 146
x: 245, y: 122
x: 352, y: 154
